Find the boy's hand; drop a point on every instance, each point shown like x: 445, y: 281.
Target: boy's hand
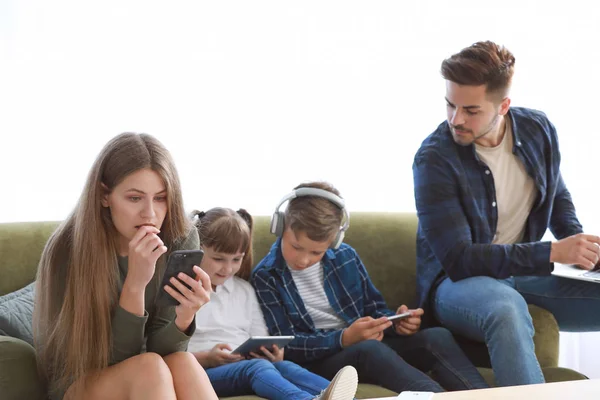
x: 273, y: 355
x: 410, y: 325
x: 365, y: 328
x: 219, y: 355
x: 190, y: 300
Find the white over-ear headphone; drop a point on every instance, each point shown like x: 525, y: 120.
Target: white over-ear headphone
x: 278, y: 218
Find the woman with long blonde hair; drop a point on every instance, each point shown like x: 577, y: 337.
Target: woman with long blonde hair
x: 98, y: 331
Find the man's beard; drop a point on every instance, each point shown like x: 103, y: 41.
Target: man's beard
x: 459, y: 139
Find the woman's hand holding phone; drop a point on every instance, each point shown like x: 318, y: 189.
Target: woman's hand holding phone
x: 408, y: 326
x: 190, y: 300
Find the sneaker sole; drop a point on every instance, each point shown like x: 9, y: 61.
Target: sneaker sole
x: 344, y: 385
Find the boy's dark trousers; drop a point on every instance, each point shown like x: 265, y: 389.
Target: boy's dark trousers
x: 401, y: 363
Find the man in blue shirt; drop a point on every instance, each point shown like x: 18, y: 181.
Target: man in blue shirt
x: 316, y: 288
x: 487, y: 187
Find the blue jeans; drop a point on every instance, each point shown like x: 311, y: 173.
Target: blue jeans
x: 400, y: 363
x: 494, y: 311
x: 281, y: 380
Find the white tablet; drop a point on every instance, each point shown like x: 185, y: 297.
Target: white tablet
x: 254, y: 343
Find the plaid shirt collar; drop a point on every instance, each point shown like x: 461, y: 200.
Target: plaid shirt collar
x: 275, y: 257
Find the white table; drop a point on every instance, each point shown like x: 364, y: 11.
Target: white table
x: 588, y: 389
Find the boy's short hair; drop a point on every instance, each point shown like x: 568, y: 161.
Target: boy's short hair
x: 317, y: 217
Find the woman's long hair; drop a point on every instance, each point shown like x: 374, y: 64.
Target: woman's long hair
x: 77, y: 279
x: 227, y: 231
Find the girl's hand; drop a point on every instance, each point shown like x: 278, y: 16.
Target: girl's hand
x: 190, y: 300
x: 144, y: 249
x: 219, y: 355
x: 273, y: 355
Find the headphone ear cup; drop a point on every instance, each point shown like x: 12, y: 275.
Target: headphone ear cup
x: 277, y: 223
x: 273, y: 225
x: 337, y: 242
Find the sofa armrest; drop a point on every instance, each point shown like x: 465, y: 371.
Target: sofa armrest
x: 19, y: 377
x: 546, y: 336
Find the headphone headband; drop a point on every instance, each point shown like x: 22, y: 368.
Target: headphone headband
x: 277, y: 220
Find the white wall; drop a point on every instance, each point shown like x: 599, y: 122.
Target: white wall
x: 253, y: 97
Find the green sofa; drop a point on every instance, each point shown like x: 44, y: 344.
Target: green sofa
x: 385, y: 242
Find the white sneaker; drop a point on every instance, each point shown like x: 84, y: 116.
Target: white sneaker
x: 343, y: 385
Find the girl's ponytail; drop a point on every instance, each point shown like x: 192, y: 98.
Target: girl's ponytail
x: 246, y: 217
x: 246, y: 268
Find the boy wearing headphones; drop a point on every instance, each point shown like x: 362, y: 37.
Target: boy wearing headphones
x: 313, y: 286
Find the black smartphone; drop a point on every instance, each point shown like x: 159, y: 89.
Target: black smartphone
x: 178, y: 261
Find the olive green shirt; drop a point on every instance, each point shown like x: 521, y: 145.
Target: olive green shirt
x: 156, y: 330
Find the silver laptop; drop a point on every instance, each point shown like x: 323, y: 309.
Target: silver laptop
x: 572, y: 272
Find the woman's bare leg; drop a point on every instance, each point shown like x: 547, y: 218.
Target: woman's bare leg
x: 189, y: 378
x: 143, y: 377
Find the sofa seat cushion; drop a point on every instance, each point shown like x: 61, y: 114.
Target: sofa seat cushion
x: 16, y: 313
x: 551, y: 374
x: 19, y: 379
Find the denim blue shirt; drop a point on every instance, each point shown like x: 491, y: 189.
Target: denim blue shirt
x: 347, y: 286
x: 456, y: 206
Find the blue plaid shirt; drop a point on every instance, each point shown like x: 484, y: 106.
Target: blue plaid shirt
x: 349, y: 290
x: 456, y: 206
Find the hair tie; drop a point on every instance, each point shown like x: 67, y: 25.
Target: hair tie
x: 245, y: 216
x: 198, y: 214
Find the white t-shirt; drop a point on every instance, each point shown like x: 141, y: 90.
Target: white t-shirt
x: 515, y: 189
x: 231, y: 316
x: 310, y: 286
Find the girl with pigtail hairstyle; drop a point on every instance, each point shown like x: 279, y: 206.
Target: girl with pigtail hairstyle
x: 233, y: 315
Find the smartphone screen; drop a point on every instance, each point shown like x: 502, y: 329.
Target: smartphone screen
x: 178, y: 261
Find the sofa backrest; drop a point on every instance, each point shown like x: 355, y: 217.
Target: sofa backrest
x: 384, y: 241
x: 21, y: 246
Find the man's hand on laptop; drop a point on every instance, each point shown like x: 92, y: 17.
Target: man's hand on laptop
x: 582, y: 250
